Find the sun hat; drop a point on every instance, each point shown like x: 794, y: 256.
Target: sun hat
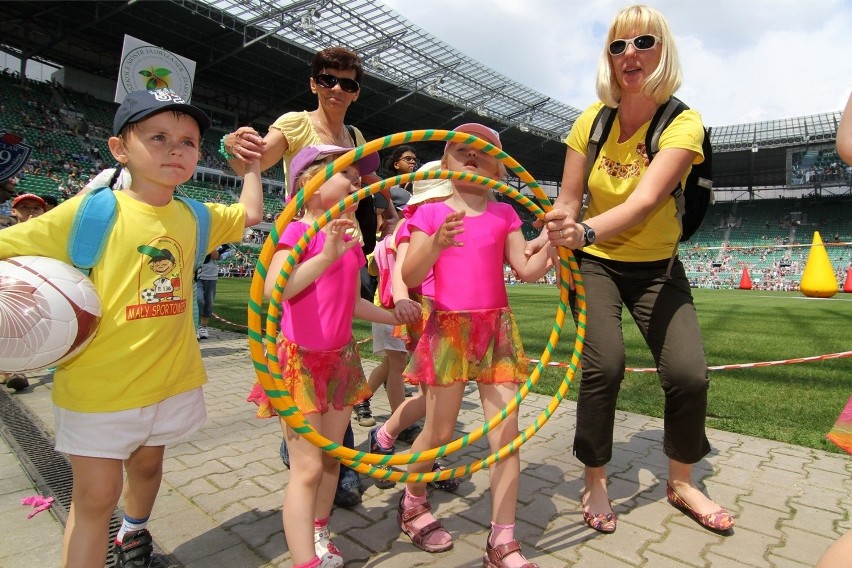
x: 480, y: 131
x: 29, y: 197
x: 310, y: 154
x: 138, y: 105
x: 426, y: 189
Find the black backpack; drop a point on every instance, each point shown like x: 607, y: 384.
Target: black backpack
x: 691, y: 201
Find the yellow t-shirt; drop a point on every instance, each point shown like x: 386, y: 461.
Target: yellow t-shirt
x: 617, y: 172
x: 145, y: 348
x: 300, y: 133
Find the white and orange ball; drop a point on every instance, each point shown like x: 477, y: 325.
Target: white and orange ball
x: 49, y: 312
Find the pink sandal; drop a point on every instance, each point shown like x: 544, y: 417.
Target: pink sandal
x: 419, y: 538
x: 494, y: 555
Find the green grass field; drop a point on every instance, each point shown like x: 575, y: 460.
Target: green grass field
x: 796, y: 403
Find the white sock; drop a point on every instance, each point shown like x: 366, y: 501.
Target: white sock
x: 130, y: 524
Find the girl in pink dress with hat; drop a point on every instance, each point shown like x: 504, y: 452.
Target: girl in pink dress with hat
x: 318, y: 355
x: 470, y: 335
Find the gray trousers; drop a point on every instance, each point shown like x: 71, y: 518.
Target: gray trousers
x: 665, y: 314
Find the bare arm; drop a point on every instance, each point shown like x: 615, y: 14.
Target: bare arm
x: 368, y: 311
x: 844, y: 133
x: 656, y: 184
x: 305, y: 273
x: 562, y: 218
x: 406, y: 309
x: 247, y: 146
x: 252, y: 194
x: 528, y: 268
x: 566, y: 207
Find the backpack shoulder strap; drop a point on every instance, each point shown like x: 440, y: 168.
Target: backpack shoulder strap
x: 96, y: 214
x: 202, y: 227
x: 351, y: 130
x: 662, y: 118
x: 601, y: 127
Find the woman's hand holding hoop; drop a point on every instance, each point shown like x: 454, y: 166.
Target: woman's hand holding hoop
x: 561, y: 229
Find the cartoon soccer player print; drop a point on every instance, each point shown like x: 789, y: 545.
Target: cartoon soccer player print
x: 167, y: 283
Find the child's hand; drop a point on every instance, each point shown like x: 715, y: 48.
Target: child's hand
x: 407, y: 311
x: 335, y: 246
x: 453, y: 225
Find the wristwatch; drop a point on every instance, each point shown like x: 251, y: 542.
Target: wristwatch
x: 589, y: 235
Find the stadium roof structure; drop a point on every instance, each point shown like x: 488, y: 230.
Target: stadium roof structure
x: 253, y: 62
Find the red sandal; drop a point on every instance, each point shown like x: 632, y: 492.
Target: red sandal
x: 494, y: 555
x: 405, y: 518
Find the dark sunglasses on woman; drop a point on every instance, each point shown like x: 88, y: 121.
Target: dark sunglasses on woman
x: 327, y: 81
x: 641, y: 43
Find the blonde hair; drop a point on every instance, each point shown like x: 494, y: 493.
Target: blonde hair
x: 666, y: 78
x: 306, y: 175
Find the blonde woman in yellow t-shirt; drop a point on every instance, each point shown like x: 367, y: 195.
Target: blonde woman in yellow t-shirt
x: 626, y: 245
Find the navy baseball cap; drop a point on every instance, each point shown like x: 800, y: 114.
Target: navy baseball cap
x: 139, y: 105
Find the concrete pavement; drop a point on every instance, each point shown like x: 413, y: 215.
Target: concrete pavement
x: 220, y: 501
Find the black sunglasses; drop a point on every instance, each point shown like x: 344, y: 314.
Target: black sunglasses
x: 327, y: 81
x: 641, y: 43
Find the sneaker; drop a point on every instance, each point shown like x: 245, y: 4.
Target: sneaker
x: 329, y: 554
x: 409, y: 434
x: 348, y: 492
x: 365, y: 416
x: 17, y: 382
x: 203, y: 333
x: 448, y: 485
x: 135, y: 550
x: 375, y: 448
x: 346, y: 497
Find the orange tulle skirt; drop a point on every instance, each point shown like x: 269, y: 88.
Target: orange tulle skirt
x: 316, y: 379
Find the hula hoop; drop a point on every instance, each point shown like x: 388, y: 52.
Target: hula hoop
x: 267, y: 367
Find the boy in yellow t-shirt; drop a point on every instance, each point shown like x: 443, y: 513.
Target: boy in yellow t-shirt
x: 137, y: 386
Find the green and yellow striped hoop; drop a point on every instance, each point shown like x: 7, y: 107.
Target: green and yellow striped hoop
x: 262, y: 346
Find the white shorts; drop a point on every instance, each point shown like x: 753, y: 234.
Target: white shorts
x: 116, y: 435
x: 383, y: 339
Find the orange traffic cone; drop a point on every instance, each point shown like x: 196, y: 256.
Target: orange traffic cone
x: 745, y: 280
x: 818, y: 280
x: 847, y: 285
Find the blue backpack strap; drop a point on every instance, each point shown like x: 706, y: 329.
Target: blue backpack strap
x: 202, y: 236
x: 202, y: 227
x: 97, y: 215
